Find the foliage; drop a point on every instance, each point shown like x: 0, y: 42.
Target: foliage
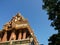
x: 54, y: 39
x: 53, y: 10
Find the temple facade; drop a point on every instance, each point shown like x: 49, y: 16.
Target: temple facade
x: 17, y: 32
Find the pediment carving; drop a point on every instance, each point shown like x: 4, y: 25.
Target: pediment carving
x: 16, y: 20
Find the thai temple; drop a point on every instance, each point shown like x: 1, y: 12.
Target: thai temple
x: 17, y: 32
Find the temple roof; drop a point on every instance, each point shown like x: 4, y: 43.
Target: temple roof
x: 17, y: 22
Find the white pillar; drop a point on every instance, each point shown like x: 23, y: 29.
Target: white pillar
x: 20, y: 35
x: 13, y: 36
x: 24, y: 35
x: 4, y: 37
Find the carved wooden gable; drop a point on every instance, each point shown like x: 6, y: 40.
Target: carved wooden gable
x: 16, y: 22
x: 17, y: 29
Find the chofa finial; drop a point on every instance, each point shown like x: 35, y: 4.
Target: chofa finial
x: 18, y: 17
x: 18, y: 14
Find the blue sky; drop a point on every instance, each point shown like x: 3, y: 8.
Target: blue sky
x: 31, y: 10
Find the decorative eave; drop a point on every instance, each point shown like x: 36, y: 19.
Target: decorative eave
x: 33, y: 36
